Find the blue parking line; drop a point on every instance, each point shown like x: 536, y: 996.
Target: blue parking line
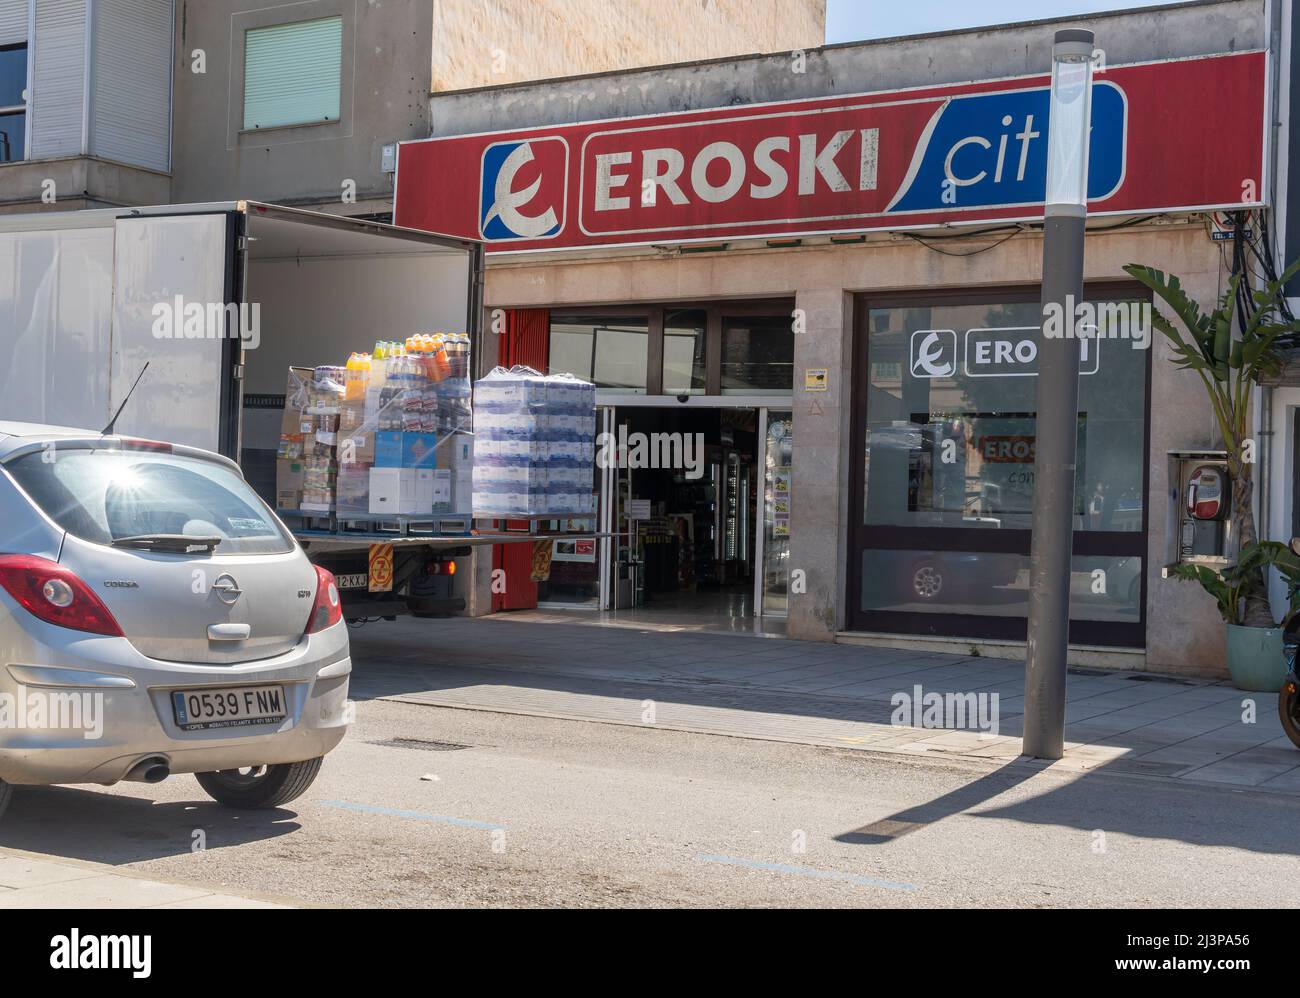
x: 806, y: 871
x: 392, y: 812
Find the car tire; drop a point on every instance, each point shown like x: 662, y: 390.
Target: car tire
x: 6, y: 795
x: 264, y: 786
x: 1287, y: 707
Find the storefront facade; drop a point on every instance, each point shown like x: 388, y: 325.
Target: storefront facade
x: 888, y: 351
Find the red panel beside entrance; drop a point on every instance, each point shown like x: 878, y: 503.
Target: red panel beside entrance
x: 526, y: 341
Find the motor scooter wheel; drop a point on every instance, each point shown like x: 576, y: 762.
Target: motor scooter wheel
x: 1288, y: 710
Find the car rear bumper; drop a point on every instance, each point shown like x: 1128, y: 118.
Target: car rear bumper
x: 80, y: 708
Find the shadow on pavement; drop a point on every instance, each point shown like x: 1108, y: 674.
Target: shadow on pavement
x: 958, y: 801
x: 1250, y: 820
x: 110, y: 828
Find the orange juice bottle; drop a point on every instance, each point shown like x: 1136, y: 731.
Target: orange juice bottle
x: 357, y: 377
x: 442, y: 364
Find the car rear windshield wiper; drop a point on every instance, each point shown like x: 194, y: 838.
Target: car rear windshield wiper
x: 177, y: 543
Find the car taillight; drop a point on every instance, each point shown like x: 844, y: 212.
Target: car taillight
x: 327, y: 610
x: 54, y: 594
x: 440, y: 568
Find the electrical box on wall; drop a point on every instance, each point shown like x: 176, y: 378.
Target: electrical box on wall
x: 1202, y: 530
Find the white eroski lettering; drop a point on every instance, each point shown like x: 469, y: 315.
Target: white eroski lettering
x: 813, y: 161
x: 662, y: 167
x: 777, y: 177
x: 606, y: 181
x: 735, y: 177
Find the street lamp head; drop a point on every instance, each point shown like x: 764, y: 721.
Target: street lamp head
x: 1069, y: 122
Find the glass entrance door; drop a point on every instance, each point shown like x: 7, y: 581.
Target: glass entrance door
x: 775, y: 458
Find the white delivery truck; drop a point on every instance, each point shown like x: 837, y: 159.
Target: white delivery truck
x: 87, y: 298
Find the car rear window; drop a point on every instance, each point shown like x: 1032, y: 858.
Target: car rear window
x: 103, y: 495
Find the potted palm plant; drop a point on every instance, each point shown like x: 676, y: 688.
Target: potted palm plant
x: 1255, y: 654
x: 1230, y: 351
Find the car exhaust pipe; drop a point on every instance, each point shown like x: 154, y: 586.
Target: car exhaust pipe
x: 153, y: 770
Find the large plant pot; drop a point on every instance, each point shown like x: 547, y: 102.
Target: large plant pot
x: 1255, y: 658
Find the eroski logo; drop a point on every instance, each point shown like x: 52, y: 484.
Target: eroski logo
x: 523, y: 189
x: 934, y: 353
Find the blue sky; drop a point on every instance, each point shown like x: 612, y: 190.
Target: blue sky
x: 854, y: 20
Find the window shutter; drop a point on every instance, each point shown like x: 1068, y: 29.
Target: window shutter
x: 292, y: 73
x: 13, y: 22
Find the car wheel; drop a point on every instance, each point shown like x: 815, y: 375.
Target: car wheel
x: 1288, y: 705
x: 260, y: 786
x: 927, y: 580
x: 6, y: 795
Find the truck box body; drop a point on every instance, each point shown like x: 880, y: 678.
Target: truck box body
x: 220, y: 300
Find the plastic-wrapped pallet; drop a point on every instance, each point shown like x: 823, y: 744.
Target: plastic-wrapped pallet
x: 534, y: 440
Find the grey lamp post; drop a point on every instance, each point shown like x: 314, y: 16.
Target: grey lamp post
x: 1058, y: 395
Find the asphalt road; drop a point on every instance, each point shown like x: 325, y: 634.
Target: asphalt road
x: 425, y: 806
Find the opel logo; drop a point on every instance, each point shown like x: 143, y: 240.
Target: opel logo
x: 227, y: 589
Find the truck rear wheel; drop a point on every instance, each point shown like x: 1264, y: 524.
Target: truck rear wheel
x: 260, y: 786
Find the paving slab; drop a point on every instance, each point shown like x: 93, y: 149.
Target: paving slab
x: 28, y: 882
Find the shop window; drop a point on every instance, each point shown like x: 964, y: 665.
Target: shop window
x: 13, y: 103
x: 757, y: 355
x: 684, y: 361
x: 292, y: 73
x: 946, y: 490
x: 951, y: 417
x: 609, y: 351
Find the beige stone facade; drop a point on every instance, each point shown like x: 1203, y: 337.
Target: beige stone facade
x: 489, y: 42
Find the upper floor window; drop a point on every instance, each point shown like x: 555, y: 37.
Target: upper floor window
x: 292, y: 73
x: 13, y: 103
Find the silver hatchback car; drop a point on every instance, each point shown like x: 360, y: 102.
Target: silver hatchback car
x: 156, y: 618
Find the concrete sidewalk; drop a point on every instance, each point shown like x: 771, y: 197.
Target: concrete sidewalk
x: 31, y: 881
x: 555, y: 664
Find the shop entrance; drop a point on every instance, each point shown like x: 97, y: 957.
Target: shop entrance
x: 699, y: 527
x: 693, y: 517
x: 683, y: 507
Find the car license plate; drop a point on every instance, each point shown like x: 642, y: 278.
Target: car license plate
x: 358, y: 580
x: 228, y: 708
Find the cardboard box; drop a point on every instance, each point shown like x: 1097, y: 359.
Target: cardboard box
x: 356, y: 448
x: 352, y: 417
x: 352, y: 490
x: 401, y: 491
x: 295, y: 397
x: 406, y: 450
x: 462, y: 490
x: 456, y: 452
x: 288, y: 483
